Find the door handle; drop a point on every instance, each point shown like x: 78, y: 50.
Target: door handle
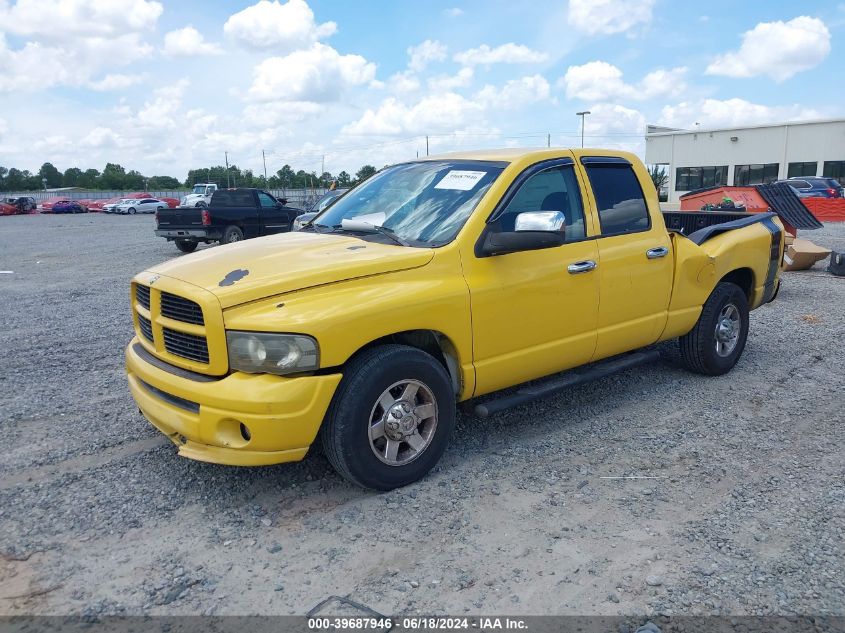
x: 581, y: 267
x: 655, y: 253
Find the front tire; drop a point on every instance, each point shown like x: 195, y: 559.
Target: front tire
x: 390, y: 419
x: 186, y: 246
x: 718, y: 339
x: 231, y: 235
x: 132, y: 211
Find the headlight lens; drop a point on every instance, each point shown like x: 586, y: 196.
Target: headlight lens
x: 183, y: 201
x: 259, y: 352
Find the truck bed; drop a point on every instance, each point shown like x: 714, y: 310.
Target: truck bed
x: 688, y: 222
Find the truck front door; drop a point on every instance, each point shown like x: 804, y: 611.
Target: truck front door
x: 274, y: 217
x: 534, y: 313
x: 635, y: 258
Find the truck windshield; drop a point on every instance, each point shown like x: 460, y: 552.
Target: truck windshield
x: 199, y: 189
x: 424, y: 203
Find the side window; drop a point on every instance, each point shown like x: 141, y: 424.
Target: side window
x: 266, y: 201
x: 620, y: 199
x: 553, y: 189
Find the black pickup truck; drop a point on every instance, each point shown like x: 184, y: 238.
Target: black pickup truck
x: 232, y: 215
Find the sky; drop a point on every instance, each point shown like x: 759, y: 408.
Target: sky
x: 164, y: 86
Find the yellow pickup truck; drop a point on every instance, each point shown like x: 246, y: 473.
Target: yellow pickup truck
x: 434, y: 282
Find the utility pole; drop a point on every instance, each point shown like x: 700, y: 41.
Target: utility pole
x: 549, y: 140
x: 264, y: 159
x: 583, y: 116
x: 426, y: 144
x: 226, y: 154
x: 322, y: 170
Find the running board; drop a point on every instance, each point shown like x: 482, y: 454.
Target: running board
x: 573, y: 378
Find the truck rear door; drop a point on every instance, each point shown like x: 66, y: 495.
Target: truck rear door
x: 635, y: 258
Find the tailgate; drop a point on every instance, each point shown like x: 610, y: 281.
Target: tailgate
x: 180, y: 217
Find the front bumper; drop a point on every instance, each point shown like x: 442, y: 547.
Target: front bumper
x: 203, y: 415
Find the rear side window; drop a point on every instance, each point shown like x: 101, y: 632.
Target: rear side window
x: 620, y: 199
x: 232, y: 199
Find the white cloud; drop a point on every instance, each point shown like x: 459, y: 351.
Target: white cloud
x: 777, y: 49
x: 454, y: 12
x: 445, y: 83
x: 276, y: 114
x: 403, y: 82
x: 505, y: 54
x: 436, y: 113
x: 608, y: 16
x: 188, y: 42
x: 422, y: 54
x: 116, y: 82
x: 600, y: 81
x: 38, y: 66
x: 163, y: 110
x: 730, y: 113
x: 516, y: 93
x: 66, y: 20
x: 318, y: 74
x: 282, y: 27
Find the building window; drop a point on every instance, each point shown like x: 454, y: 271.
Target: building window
x: 835, y: 169
x: 799, y: 170
x: 691, y: 178
x: 755, y: 174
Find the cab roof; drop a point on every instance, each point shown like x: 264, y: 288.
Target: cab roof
x: 517, y: 154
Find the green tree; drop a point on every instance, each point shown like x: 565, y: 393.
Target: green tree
x: 365, y: 172
x: 659, y: 177
x: 15, y: 180
x: 51, y: 174
x: 160, y: 183
x: 90, y: 179
x: 344, y: 179
x: 113, y: 176
x: 72, y: 177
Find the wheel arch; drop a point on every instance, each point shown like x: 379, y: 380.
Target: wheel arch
x: 433, y: 342
x: 742, y: 277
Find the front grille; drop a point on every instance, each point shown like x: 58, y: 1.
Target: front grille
x: 146, y: 328
x: 142, y: 295
x: 186, y: 345
x: 180, y: 309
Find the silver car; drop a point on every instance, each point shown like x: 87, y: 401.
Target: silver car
x: 110, y: 208
x: 140, y: 205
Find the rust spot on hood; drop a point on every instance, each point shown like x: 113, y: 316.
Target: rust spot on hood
x: 233, y: 276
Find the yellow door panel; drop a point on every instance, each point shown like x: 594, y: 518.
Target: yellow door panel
x: 635, y: 291
x: 530, y: 316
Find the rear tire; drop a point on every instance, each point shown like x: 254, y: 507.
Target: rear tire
x: 390, y: 419
x: 186, y: 246
x: 718, y: 339
x: 201, y: 205
x: 231, y: 235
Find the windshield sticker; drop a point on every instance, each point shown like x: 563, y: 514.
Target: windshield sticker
x: 460, y: 180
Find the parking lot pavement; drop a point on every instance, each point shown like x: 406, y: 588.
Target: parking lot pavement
x: 651, y: 491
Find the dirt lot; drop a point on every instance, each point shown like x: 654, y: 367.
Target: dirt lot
x: 737, y: 505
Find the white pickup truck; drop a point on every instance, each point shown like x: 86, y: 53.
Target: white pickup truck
x: 200, y: 196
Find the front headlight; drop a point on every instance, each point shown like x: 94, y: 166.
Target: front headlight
x: 259, y: 352
x: 184, y: 201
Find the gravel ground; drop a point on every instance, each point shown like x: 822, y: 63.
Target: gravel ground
x: 742, y: 510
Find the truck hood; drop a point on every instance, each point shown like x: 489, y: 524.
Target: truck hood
x: 277, y: 264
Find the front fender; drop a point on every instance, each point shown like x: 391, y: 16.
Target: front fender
x: 346, y: 316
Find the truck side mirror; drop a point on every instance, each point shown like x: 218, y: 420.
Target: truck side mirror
x: 533, y: 230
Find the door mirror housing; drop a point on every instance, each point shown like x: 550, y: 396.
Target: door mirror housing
x: 540, y: 221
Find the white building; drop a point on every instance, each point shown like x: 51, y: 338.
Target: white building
x: 747, y: 155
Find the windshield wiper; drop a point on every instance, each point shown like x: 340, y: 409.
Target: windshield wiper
x: 374, y: 228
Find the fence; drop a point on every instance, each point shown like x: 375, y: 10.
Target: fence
x: 302, y: 198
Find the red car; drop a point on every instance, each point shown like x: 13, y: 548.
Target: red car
x: 8, y: 209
